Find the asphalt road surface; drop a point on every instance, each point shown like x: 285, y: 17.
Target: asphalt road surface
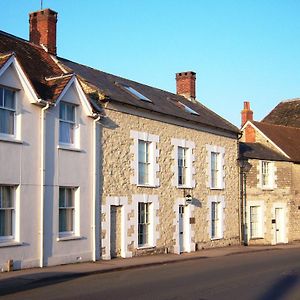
x: 268, y: 275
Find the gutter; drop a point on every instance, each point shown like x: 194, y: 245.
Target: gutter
x: 42, y: 196
x: 96, y: 205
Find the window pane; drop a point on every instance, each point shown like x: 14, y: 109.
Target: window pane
x: 66, y: 132
x: 62, y: 201
x: 142, y: 151
x: 1, y: 97
x: 69, y: 200
x: 66, y: 219
x: 9, y: 99
x: 70, y: 113
x: 62, y: 111
x: 6, y: 121
x: 6, y: 200
x: 6, y: 222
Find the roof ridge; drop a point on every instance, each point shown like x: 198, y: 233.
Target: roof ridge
x: 290, y: 100
x: 276, y: 125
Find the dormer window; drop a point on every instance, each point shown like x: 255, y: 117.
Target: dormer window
x: 187, y: 109
x: 7, y: 111
x: 67, y: 123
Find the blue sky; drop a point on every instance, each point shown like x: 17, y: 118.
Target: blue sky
x: 240, y: 50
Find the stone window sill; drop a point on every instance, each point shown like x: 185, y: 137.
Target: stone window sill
x: 10, y: 139
x: 10, y: 244
x: 69, y: 238
x: 69, y: 148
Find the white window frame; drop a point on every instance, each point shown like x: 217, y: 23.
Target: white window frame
x: 153, y: 219
x: 220, y: 180
x: 152, y: 140
x: 190, y: 158
x: 14, y: 110
x: 13, y: 213
x: 220, y: 202
x: 270, y: 185
x: 260, y: 221
x: 74, y: 208
x: 73, y: 123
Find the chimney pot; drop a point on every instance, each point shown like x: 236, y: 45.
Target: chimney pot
x: 246, y: 113
x: 186, y: 84
x: 43, y: 29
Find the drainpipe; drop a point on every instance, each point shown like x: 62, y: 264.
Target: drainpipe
x: 95, y: 211
x: 43, y: 126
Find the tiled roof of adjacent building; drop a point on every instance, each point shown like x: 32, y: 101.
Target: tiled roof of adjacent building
x: 161, y: 101
x: 36, y: 63
x: 286, y: 138
x: 259, y: 151
x: 286, y: 113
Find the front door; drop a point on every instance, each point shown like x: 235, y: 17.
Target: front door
x: 181, y: 229
x: 279, y: 228
x: 115, y: 231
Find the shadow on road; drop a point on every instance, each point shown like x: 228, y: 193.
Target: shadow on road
x: 32, y: 281
x: 281, y: 287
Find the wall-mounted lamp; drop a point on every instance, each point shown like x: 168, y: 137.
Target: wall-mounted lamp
x: 188, y: 199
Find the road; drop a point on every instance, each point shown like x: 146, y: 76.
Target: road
x: 268, y: 275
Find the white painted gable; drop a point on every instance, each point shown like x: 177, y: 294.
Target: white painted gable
x: 71, y: 95
x: 10, y: 78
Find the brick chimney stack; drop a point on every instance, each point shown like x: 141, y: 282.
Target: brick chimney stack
x: 186, y: 85
x: 246, y: 113
x: 43, y: 29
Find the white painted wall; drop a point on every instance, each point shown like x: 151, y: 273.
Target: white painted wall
x: 20, y: 166
x: 69, y: 168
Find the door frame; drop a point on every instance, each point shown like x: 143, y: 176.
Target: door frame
x: 189, y: 245
x: 284, y: 223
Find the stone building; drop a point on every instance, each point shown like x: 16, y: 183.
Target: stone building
x: 158, y: 148
x: 271, y: 202
x: 97, y: 166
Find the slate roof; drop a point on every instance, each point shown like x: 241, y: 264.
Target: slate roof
x: 162, y: 101
x: 38, y: 66
x: 259, y: 151
x: 286, y: 138
x: 286, y: 113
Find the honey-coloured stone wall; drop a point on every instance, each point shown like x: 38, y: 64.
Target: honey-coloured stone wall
x: 117, y: 160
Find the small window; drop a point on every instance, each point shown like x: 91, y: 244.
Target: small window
x: 135, y: 93
x: 143, y: 226
x: 66, y: 210
x: 267, y: 176
x: 144, y: 162
x: 66, y: 123
x: 7, y: 212
x: 7, y: 111
x: 182, y: 166
x: 187, y: 109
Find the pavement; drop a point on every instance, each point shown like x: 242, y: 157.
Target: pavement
x: 10, y: 281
